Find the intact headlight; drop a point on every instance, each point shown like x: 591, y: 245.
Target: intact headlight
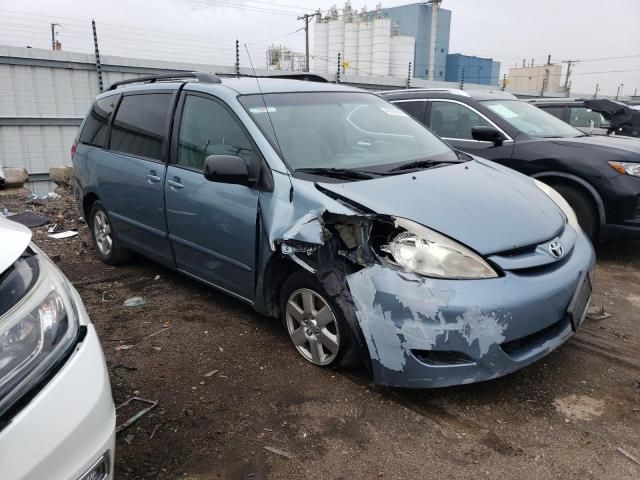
x: 36, y: 334
x: 630, y: 168
x: 421, y: 250
x: 561, y: 203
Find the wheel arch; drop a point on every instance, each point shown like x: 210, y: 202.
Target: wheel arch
x: 87, y: 201
x: 575, y: 181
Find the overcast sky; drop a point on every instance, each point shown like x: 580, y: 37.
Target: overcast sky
x: 204, y: 31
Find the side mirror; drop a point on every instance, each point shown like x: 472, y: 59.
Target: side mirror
x: 226, y: 169
x: 487, y: 134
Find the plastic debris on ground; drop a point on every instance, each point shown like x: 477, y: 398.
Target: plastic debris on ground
x: 134, y: 302
x: 151, y: 405
x: 33, y: 198
x: 597, y: 313
x: 123, y: 347
x: 277, y: 451
x: 29, y: 219
x: 63, y: 235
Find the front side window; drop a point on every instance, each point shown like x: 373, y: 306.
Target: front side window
x: 586, y: 118
x: 555, y: 111
x: 342, y: 130
x: 531, y: 120
x: 139, y: 126
x: 96, y: 125
x: 207, y: 128
x: 453, y: 120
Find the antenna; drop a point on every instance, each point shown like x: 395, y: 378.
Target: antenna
x: 266, y: 109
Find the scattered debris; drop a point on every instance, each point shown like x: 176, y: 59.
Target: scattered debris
x: 277, y: 451
x: 152, y: 404
x: 157, y: 277
x: 159, y: 331
x: 597, y: 313
x: 29, y: 219
x: 62, y: 235
x: 134, y: 302
x: 154, y: 431
x: 33, y: 198
x: 623, y: 452
x: 52, y: 228
x: 123, y: 347
x: 129, y: 438
x: 211, y: 373
x: 5, y: 212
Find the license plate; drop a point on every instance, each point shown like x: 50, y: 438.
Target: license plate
x: 578, y: 307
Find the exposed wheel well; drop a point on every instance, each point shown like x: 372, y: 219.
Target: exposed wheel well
x: 87, y: 202
x: 277, y: 271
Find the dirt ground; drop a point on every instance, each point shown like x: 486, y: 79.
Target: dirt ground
x: 229, y: 383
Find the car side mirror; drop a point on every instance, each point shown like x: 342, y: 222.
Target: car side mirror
x: 227, y: 169
x: 487, y: 134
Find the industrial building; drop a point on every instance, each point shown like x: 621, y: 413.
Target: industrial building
x: 471, y: 69
x: 536, y: 78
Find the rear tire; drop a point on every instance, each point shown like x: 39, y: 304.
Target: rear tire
x: 315, y: 324
x: 105, y: 240
x: 584, y: 208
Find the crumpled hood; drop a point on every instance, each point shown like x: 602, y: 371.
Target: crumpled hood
x: 485, y: 206
x: 628, y: 147
x: 14, y: 239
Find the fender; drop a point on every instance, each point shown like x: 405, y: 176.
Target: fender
x: 594, y: 193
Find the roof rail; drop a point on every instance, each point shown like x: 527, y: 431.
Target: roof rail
x: 309, y: 77
x: 202, y: 77
x: 455, y: 91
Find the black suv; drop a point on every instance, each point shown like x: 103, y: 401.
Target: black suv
x: 598, y: 175
x: 595, y: 116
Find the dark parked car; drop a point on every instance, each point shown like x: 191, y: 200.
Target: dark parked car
x: 598, y: 175
x: 595, y: 116
x: 334, y: 210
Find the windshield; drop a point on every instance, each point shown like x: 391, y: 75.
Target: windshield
x: 531, y: 120
x: 346, y: 130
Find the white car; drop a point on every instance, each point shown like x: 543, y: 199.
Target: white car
x: 57, y: 418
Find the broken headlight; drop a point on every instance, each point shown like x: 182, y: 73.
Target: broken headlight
x: 561, y: 203
x: 421, y: 250
x: 36, y: 334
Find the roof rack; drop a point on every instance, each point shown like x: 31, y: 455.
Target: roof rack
x: 309, y: 77
x: 202, y: 77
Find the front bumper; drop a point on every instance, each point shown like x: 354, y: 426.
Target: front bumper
x: 622, y: 200
x: 424, y: 333
x: 69, y: 424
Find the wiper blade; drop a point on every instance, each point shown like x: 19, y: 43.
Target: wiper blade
x: 346, y: 173
x: 416, y: 164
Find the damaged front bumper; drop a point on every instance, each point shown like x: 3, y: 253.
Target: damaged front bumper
x: 424, y: 333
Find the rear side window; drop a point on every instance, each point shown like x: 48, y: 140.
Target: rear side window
x: 97, y: 122
x: 415, y: 109
x: 555, y: 111
x: 139, y: 125
x: 452, y: 120
x: 584, y: 117
x: 207, y: 128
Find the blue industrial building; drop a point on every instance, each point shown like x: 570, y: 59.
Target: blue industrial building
x: 415, y: 20
x: 483, y: 71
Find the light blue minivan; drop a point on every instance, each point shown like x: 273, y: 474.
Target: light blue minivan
x: 371, y: 238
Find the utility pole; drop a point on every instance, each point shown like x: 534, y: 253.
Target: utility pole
x: 238, y: 59
x: 545, y: 82
x: 504, y: 82
x: 435, y: 6
x: 619, y: 92
x: 338, y: 72
x: 595, y: 94
x: 548, y: 59
x: 569, y: 63
x: 98, y: 66
x: 306, y: 18
x: 462, y: 80
x: 409, y: 76
x: 53, y: 35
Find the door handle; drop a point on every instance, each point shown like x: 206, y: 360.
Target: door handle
x: 175, y: 183
x: 152, y: 177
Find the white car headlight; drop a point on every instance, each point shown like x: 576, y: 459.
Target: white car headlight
x: 630, y: 168
x: 421, y: 250
x: 36, y: 334
x: 561, y: 203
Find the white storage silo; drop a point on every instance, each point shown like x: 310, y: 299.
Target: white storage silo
x: 365, y: 30
x: 351, y: 47
x: 336, y: 44
x: 320, y: 47
x: 381, y: 46
x: 402, y: 52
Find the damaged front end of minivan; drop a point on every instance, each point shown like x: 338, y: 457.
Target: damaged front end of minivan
x: 422, y: 316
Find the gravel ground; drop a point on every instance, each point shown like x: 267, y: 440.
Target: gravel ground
x: 228, y: 384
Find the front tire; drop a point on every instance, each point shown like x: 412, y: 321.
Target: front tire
x: 314, y: 323
x: 105, y: 240
x: 584, y: 208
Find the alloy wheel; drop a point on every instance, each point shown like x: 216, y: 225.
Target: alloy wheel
x: 102, y: 233
x: 312, y: 326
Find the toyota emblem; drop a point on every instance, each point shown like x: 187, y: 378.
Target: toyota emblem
x: 556, y: 249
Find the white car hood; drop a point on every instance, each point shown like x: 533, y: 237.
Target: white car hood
x: 14, y: 240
